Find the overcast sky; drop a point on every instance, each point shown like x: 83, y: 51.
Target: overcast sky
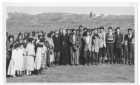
x: 77, y: 10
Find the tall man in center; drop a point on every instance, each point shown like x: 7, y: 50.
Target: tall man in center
x: 64, y: 43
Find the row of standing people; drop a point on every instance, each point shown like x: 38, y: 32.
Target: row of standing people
x: 71, y: 46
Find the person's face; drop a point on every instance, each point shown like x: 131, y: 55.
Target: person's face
x: 95, y: 31
x: 36, y: 34
x: 68, y: 32
x: 11, y: 39
x: 20, y: 36
x: 129, y: 32
x: 52, y: 35
x: 25, y: 34
x: 74, y: 32
x: 56, y: 33
x: 78, y: 32
x: 118, y: 30
x: 64, y: 32
x: 61, y: 30
x: 33, y: 41
x: 25, y: 40
x: 125, y: 41
x: 17, y: 48
x: 99, y: 30
x: 81, y: 28
x: 110, y: 30
x: 84, y: 30
x: 102, y: 30
x: 21, y: 46
x: 87, y: 33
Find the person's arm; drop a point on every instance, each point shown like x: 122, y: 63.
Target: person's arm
x: 121, y: 38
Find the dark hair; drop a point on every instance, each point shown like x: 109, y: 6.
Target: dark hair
x: 60, y: 29
x: 42, y: 40
x: 49, y: 35
x: 10, y: 36
x: 85, y: 29
x: 96, y: 35
x: 98, y: 28
x: 110, y: 28
x: 33, y: 33
x: 16, y: 45
x: 20, y: 34
x: 95, y: 29
x: 102, y: 27
x: 129, y: 29
x: 80, y: 26
x: 117, y: 28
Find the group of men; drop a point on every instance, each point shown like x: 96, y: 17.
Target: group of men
x: 93, y: 46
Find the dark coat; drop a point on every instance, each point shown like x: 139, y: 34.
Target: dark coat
x: 64, y: 41
x: 118, y: 40
x: 129, y: 40
x: 57, y: 44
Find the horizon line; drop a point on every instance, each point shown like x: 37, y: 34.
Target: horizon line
x: 72, y: 13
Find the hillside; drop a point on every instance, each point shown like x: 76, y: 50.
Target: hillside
x: 52, y: 21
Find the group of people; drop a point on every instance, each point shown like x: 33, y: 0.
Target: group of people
x: 31, y: 52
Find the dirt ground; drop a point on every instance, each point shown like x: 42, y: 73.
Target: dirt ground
x: 81, y: 74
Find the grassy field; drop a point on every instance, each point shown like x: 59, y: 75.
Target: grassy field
x: 81, y: 74
x: 53, y: 21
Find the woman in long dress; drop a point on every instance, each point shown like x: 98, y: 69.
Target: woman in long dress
x: 30, y: 56
x: 40, y: 61
x: 13, y: 62
x: 9, y: 47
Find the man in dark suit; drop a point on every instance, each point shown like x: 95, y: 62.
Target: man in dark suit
x: 130, y: 38
x: 69, y: 34
x: 118, y: 46
x: 57, y: 46
x: 64, y: 46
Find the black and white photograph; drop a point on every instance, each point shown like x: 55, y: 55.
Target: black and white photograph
x: 70, y: 42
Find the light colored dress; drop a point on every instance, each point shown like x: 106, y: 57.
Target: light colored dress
x: 13, y: 63
x: 30, y: 58
x: 20, y: 60
x: 38, y: 58
x: 24, y: 60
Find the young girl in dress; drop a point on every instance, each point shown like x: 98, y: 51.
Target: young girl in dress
x: 40, y: 61
x: 20, y: 60
x: 30, y: 49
